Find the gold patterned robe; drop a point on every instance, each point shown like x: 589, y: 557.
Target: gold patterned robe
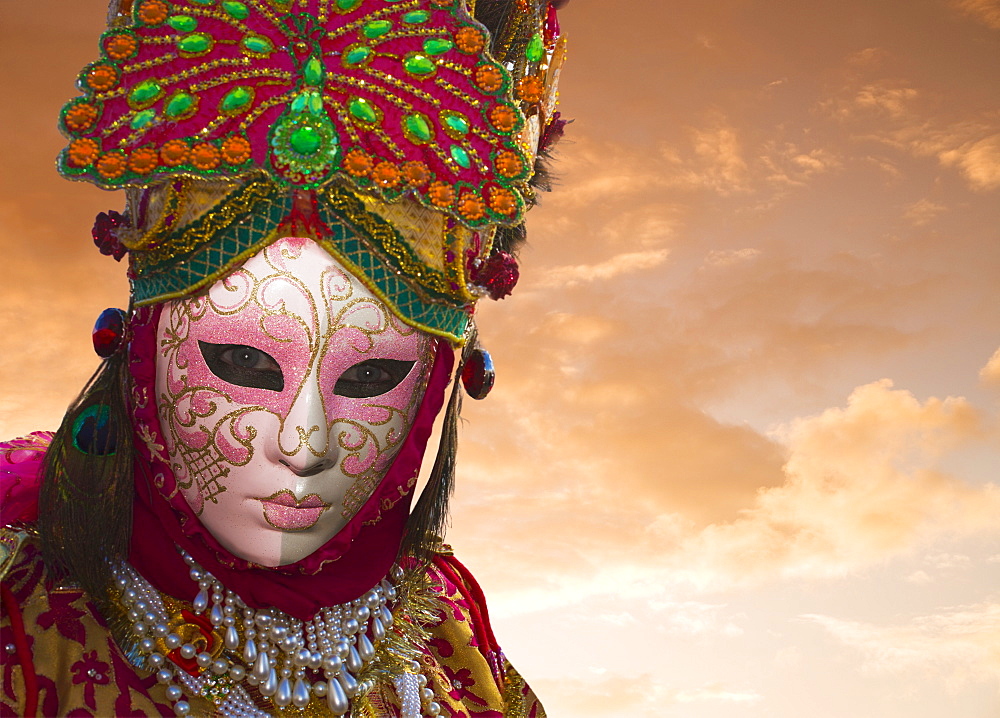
x: 60, y: 659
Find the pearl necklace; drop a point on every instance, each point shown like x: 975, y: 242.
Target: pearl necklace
x: 200, y: 651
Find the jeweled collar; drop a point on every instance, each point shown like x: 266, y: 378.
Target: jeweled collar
x: 256, y: 662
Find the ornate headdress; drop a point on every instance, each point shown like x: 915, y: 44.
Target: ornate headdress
x: 402, y: 135
x: 406, y: 137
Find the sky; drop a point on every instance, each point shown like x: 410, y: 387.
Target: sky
x: 742, y: 454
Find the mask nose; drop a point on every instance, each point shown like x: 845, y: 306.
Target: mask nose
x: 304, y: 441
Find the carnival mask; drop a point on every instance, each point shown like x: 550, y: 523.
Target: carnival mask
x: 284, y: 393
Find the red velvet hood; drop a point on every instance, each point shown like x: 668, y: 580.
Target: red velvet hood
x: 349, y: 564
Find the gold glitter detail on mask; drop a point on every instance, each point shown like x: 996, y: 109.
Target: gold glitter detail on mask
x: 203, y: 464
x: 361, y: 490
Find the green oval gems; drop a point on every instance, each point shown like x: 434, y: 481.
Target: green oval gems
x: 206, y: 3
x: 195, y: 44
x: 417, y: 64
x: 315, y: 103
x: 361, y: 109
x: 257, y: 45
x: 416, y: 17
x: 357, y: 55
x: 456, y: 123
x: 535, y: 48
x: 142, y: 119
x: 461, y: 156
x: 437, y: 46
x: 236, y: 100
x: 182, y: 23
x: 314, y: 72
x: 145, y: 93
x: 306, y: 140
x: 308, y: 100
x: 348, y: 5
x: 377, y: 28
x: 417, y: 128
x: 181, y: 105
x: 236, y: 10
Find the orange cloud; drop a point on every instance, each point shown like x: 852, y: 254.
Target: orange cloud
x: 619, y: 512
x: 622, y: 264
x: 861, y: 487
x: 957, y: 645
x: 885, y: 97
x: 786, y: 164
x: 859, y: 99
x: 972, y: 146
x: 611, y: 693
x: 923, y: 212
x: 978, y: 160
x: 990, y: 374
x: 720, y: 155
x: 725, y: 257
x: 985, y: 11
x: 910, y: 117
x: 869, y: 57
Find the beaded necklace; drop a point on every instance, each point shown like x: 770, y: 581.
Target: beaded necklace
x: 222, y: 649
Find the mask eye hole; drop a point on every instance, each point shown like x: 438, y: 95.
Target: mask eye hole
x: 243, y: 365
x: 372, y: 377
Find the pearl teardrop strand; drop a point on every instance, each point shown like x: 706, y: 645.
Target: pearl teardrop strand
x: 280, y: 655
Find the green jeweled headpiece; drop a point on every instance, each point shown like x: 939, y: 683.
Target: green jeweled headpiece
x: 368, y: 124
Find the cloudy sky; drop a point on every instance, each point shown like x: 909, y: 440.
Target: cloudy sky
x: 742, y: 455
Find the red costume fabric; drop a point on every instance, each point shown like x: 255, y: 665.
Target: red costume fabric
x: 58, y: 656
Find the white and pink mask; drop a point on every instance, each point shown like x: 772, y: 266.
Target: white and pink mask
x: 284, y: 394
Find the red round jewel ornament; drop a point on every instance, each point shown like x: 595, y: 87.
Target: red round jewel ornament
x: 497, y: 275
x: 478, y: 374
x: 109, y: 332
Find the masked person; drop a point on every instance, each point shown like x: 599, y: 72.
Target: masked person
x: 317, y: 193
